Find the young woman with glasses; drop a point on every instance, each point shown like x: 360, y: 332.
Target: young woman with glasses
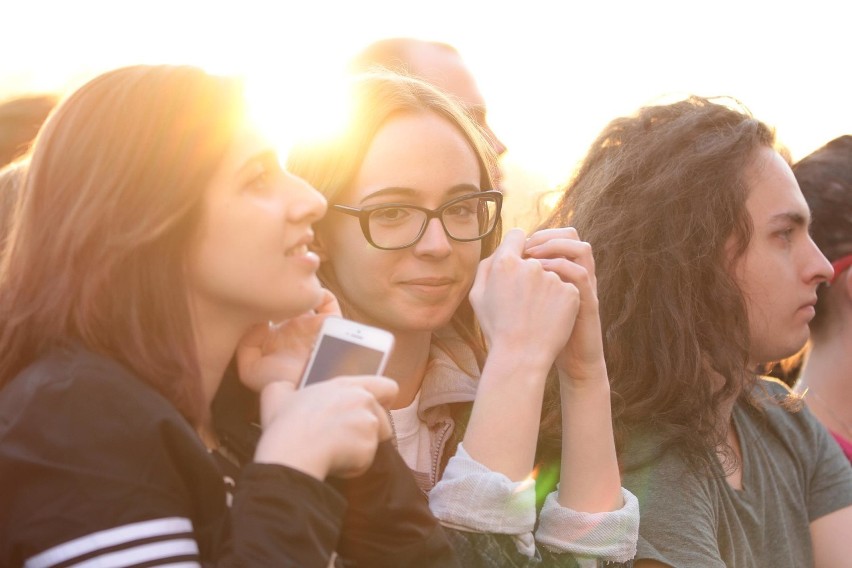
x: 410, y: 244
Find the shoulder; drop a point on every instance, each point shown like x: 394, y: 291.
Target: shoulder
x: 670, y: 489
x: 643, y: 453
x: 72, y: 383
x: 80, y: 432
x: 76, y: 404
x: 798, y: 447
x: 678, y: 505
x: 783, y: 412
x: 86, y: 409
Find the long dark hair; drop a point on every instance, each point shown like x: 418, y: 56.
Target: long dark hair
x: 661, y: 198
x: 110, y: 199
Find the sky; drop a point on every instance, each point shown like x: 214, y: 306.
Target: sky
x: 553, y: 73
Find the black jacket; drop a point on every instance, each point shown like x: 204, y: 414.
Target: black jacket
x: 96, y: 464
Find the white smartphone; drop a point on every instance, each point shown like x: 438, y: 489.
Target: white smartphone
x: 346, y: 347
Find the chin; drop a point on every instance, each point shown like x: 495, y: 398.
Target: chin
x: 783, y: 352
x: 430, y: 324
x: 295, y: 308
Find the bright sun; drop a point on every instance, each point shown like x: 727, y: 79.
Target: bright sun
x: 553, y: 74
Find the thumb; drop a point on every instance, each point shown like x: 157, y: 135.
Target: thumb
x: 383, y: 389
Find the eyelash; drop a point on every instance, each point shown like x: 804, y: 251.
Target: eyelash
x: 786, y: 234
x: 261, y: 177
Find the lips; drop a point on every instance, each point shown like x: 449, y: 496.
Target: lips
x: 430, y: 281
x: 301, y: 246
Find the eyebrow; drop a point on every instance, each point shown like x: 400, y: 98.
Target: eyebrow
x: 797, y: 219
x: 264, y: 157
x: 408, y: 192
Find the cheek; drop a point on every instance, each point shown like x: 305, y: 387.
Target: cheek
x: 470, y: 260
x: 355, y: 266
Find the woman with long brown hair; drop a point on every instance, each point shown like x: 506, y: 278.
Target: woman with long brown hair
x: 156, y: 234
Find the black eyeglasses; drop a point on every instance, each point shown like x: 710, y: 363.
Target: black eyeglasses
x: 393, y: 226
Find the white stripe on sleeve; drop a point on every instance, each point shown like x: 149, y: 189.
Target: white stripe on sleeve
x: 123, y: 536
x: 143, y: 553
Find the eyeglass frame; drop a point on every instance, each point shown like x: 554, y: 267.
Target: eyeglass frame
x: 839, y: 266
x: 363, y: 215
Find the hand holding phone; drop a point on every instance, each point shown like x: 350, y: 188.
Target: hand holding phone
x: 332, y: 428
x: 271, y: 353
x: 346, y: 347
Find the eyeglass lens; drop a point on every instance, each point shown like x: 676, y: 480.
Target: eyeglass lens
x: 465, y: 220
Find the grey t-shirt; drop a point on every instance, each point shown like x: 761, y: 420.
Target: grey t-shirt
x: 792, y: 474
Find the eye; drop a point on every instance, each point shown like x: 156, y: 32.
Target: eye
x: 262, y: 174
x: 463, y: 209
x: 786, y: 234
x: 258, y: 179
x: 390, y: 214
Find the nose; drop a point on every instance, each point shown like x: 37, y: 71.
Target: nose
x: 434, y: 241
x: 819, y: 269
x: 308, y: 204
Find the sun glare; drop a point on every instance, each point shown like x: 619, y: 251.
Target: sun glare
x: 291, y: 113
x: 548, y: 93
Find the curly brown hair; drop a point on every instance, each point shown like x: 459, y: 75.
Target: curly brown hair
x: 659, y: 196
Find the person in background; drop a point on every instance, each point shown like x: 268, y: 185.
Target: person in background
x: 705, y: 270
x: 441, y: 65
x: 411, y: 245
x: 10, y: 181
x: 825, y: 177
x: 20, y: 119
x: 128, y: 284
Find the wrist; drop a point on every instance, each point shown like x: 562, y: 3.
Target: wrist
x: 518, y: 356
x: 584, y: 376
x: 595, y: 384
x: 301, y: 459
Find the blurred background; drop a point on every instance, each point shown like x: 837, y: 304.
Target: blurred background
x: 553, y: 73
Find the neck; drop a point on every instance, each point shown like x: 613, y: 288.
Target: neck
x: 726, y: 407
x: 733, y: 471
x: 216, y: 339
x: 407, y: 364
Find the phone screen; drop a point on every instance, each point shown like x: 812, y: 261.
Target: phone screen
x: 336, y: 357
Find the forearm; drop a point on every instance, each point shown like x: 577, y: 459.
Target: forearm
x: 283, y: 517
x: 387, y: 520
x: 504, y: 422
x: 590, y: 480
